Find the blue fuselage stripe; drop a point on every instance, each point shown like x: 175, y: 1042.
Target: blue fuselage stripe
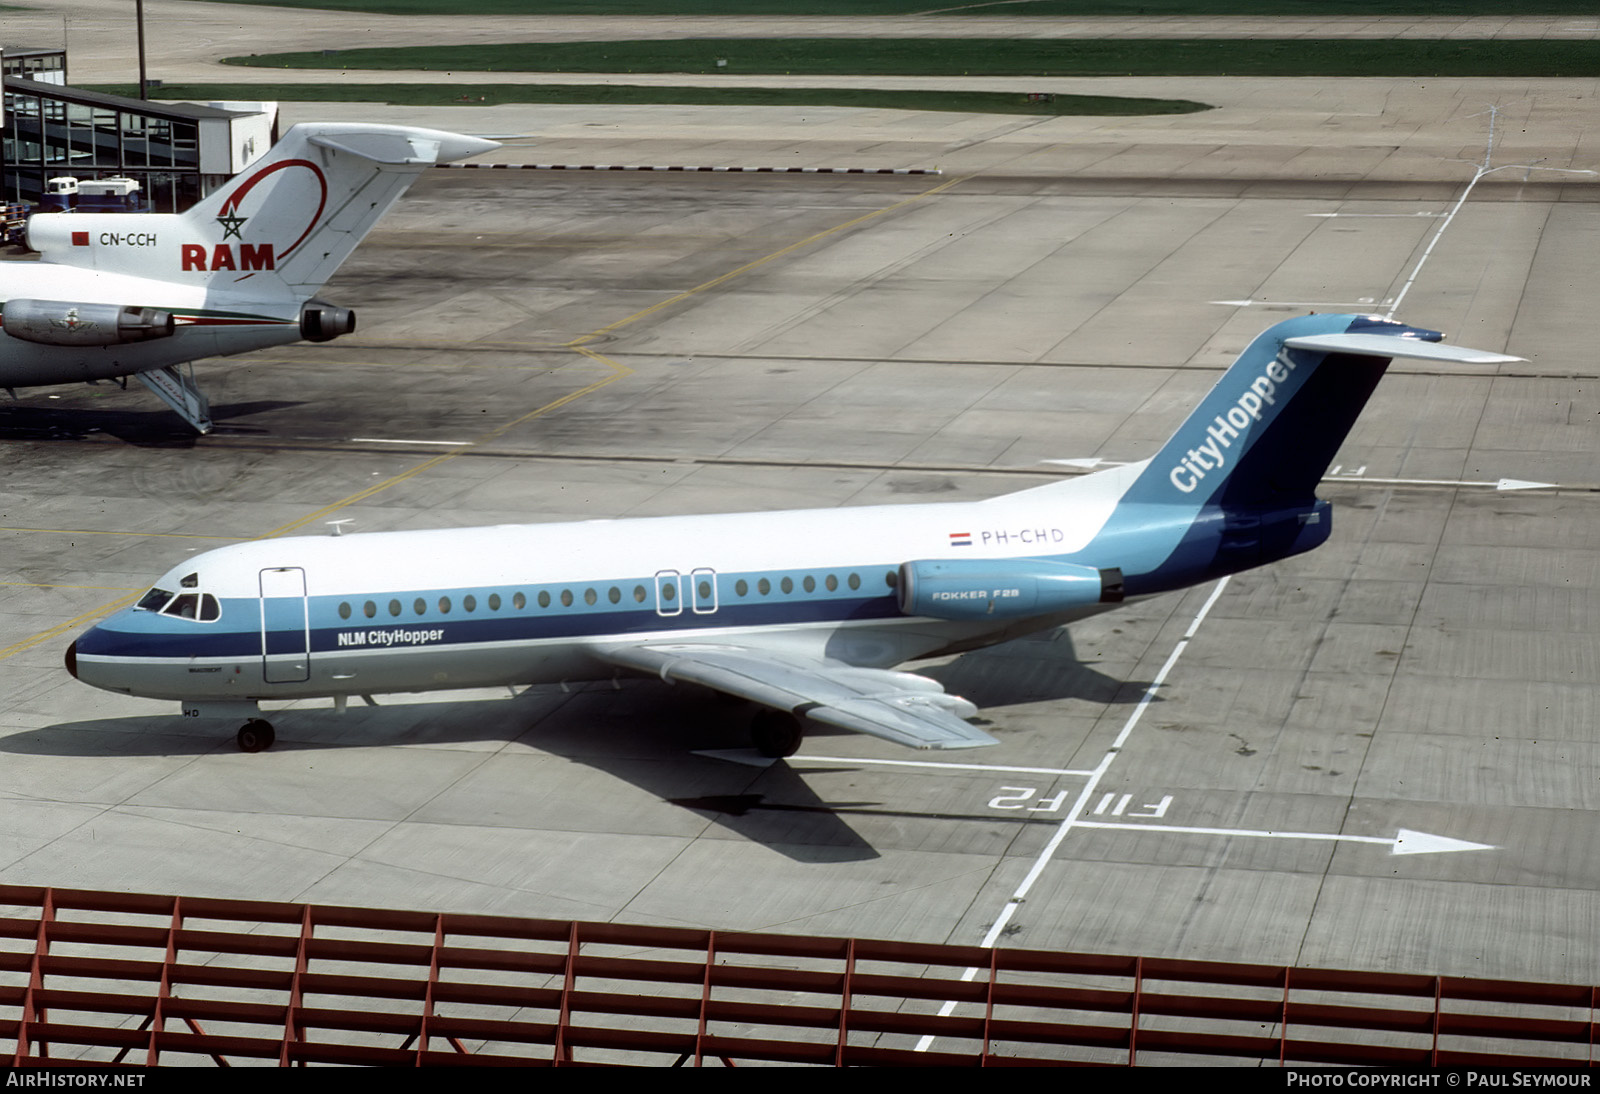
x: 237, y: 633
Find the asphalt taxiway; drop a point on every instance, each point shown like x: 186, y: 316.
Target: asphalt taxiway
x: 1242, y: 772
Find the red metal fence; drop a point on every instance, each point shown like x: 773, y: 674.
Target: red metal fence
x: 108, y: 978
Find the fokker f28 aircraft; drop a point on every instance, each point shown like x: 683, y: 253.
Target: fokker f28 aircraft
x: 804, y: 612
x: 136, y: 294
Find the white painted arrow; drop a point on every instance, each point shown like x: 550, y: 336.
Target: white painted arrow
x: 1365, y: 302
x: 1407, y: 842
x: 1418, y: 213
x: 1498, y: 484
x: 1404, y: 842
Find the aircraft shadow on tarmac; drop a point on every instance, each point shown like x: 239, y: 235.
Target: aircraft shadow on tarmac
x: 642, y: 732
x: 154, y: 428
x: 1029, y: 670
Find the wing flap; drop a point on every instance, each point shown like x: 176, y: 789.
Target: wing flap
x: 900, y: 707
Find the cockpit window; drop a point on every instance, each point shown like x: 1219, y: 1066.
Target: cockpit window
x: 201, y: 606
x: 190, y: 581
x: 153, y: 600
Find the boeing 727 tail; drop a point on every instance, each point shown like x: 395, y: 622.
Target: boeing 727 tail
x: 120, y: 294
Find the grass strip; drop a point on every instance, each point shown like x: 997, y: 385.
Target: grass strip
x: 1305, y: 9
x: 477, y: 94
x: 980, y: 57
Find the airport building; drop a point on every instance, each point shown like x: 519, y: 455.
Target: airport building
x: 176, y: 152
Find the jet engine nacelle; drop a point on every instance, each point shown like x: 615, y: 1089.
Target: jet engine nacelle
x: 322, y: 322
x: 65, y: 323
x: 1002, y: 588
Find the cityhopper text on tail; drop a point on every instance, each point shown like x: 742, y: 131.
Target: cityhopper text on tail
x: 136, y: 294
x: 805, y: 613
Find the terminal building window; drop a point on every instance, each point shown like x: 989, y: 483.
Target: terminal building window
x: 50, y: 133
x: 46, y: 66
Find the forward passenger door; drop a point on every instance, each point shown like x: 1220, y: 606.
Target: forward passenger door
x: 285, y: 626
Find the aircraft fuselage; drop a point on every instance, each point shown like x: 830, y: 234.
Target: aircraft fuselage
x: 524, y: 604
x: 206, y: 324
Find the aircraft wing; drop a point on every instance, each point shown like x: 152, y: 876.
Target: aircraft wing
x: 897, y: 706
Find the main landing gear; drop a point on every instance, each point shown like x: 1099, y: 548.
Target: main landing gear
x: 776, y: 733
x: 255, y: 735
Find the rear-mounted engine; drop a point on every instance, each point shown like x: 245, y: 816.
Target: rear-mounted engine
x: 1003, y: 588
x: 320, y: 322
x: 64, y: 323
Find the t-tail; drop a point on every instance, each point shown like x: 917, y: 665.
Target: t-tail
x: 278, y: 230
x: 1235, y: 486
x: 138, y: 294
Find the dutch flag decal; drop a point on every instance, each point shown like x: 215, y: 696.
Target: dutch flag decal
x: 961, y: 539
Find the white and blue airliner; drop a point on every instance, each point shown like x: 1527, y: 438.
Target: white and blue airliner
x: 805, y: 613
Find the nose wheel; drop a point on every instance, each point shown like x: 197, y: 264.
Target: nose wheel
x: 255, y: 735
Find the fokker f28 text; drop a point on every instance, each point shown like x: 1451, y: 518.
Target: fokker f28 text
x: 805, y: 613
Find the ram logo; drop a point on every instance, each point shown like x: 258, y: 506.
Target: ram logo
x: 298, y: 184
x: 221, y: 256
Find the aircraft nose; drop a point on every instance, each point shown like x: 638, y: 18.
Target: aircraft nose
x: 72, y: 660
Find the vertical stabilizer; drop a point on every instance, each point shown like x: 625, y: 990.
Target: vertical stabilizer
x: 1235, y: 485
x: 279, y: 229
x: 1266, y: 433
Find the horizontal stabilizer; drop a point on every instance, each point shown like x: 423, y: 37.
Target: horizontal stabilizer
x: 401, y: 146
x: 1388, y: 345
